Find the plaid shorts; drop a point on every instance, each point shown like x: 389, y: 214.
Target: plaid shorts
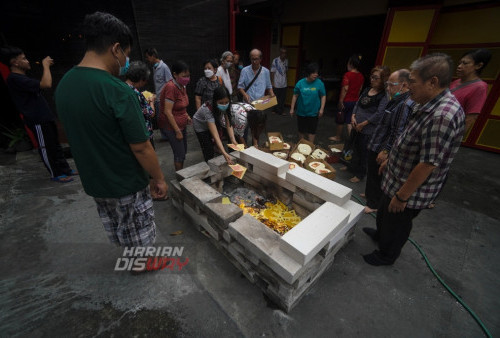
x: 129, y: 221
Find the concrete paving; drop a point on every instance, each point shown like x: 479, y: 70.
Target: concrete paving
x: 57, y: 265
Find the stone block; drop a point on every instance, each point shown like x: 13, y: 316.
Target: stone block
x: 219, y: 165
x: 277, y: 179
x: 222, y: 214
x: 308, y: 196
x: 308, y: 237
x: 265, y: 161
x: 235, y: 154
x: 300, y: 210
x: 200, y: 219
x: 320, y: 186
x: 227, y: 236
x: 174, y: 189
x: 263, y: 243
x: 199, y: 170
x: 197, y: 190
x: 356, y: 211
x: 311, y: 206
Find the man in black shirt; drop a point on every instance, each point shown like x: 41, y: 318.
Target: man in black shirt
x: 26, y: 94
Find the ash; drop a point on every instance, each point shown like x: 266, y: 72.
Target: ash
x: 238, y: 194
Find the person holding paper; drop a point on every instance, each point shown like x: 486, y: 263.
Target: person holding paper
x: 206, y: 123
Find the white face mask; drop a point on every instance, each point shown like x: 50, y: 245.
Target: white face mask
x: 209, y: 73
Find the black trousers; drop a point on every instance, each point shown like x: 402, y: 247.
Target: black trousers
x: 393, y: 229
x: 207, y: 146
x: 280, y: 97
x: 373, y: 181
x: 359, y: 157
x: 49, y: 148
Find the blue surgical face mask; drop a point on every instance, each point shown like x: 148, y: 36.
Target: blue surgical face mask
x: 240, y: 66
x: 222, y: 107
x: 124, y: 69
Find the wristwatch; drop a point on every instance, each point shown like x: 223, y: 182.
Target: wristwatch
x: 400, y: 199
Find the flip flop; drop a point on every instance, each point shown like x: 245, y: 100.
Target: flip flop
x: 62, y: 179
x: 73, y: 173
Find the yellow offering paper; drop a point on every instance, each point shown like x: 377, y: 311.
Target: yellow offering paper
x: 237, y: 147
x: 147, y: 95
x: 238, y: 170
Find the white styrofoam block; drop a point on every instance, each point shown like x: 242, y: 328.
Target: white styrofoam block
x: 265, y: 161
x: 320, y: 186
x: 356, y: 211
x: 308, y: 237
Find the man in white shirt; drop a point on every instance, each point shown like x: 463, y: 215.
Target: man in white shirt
x: 279, y: 68
x: 225, y: 63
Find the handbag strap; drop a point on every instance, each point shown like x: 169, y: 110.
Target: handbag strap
x: 465, y: 84
x: 253, y: 80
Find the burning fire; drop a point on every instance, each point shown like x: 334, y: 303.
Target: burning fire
x: 276, y: 216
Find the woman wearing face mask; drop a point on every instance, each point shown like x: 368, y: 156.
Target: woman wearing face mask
x: 206, y: 85
x: 206, y: 123
x: 469, y: 89
x: 226, y: 62
x: 174, y: 117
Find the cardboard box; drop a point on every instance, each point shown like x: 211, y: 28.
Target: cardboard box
x: 331, y: 175
x: 265, y: 102
x: 335, y: 156
x: 275, y: 146
x: 327, y: 152
x: 294, y: 150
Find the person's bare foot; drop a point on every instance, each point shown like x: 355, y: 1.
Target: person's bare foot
x: 431, y: 206
x: 344, y: 168
x: 334, y: 138
x: 369, y: 210
x: 362, y: 195
x: 354, y: 180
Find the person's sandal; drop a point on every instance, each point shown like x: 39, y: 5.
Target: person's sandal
x: 62, y: 179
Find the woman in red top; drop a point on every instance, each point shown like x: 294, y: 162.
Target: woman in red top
x: 173, y: 104
x: 352, y: 82
x: 469, y: 89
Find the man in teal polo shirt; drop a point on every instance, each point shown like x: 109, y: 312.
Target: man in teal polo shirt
x: 311, y: 96
x: 109, y: 141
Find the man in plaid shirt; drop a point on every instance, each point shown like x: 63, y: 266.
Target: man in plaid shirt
x: 419, y: 161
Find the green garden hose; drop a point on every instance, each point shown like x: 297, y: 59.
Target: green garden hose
x: 472, y: 313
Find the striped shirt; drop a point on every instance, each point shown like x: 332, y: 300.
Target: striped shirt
x: 433, y: 135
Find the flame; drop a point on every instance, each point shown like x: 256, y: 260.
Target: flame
x: 276, y: 216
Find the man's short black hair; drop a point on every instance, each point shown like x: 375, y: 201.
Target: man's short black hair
x: 8, y: 53
x: 102, y: 30
x: 151, y: 52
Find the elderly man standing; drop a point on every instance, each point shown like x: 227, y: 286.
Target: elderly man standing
x: 419, y: 161
x: 161, y: 75
x: 389, y: 128
x: 279, y: 68
x: 255, y: 80
x: 107, y: 134
x: 226, y: 62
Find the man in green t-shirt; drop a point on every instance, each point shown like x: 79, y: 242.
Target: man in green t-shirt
x: 109, y: 142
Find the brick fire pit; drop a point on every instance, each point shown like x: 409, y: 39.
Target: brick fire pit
x: 284, y: 267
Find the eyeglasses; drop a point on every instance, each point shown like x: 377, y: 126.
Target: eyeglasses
x: 392, y: 83
x: 374, y: 78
